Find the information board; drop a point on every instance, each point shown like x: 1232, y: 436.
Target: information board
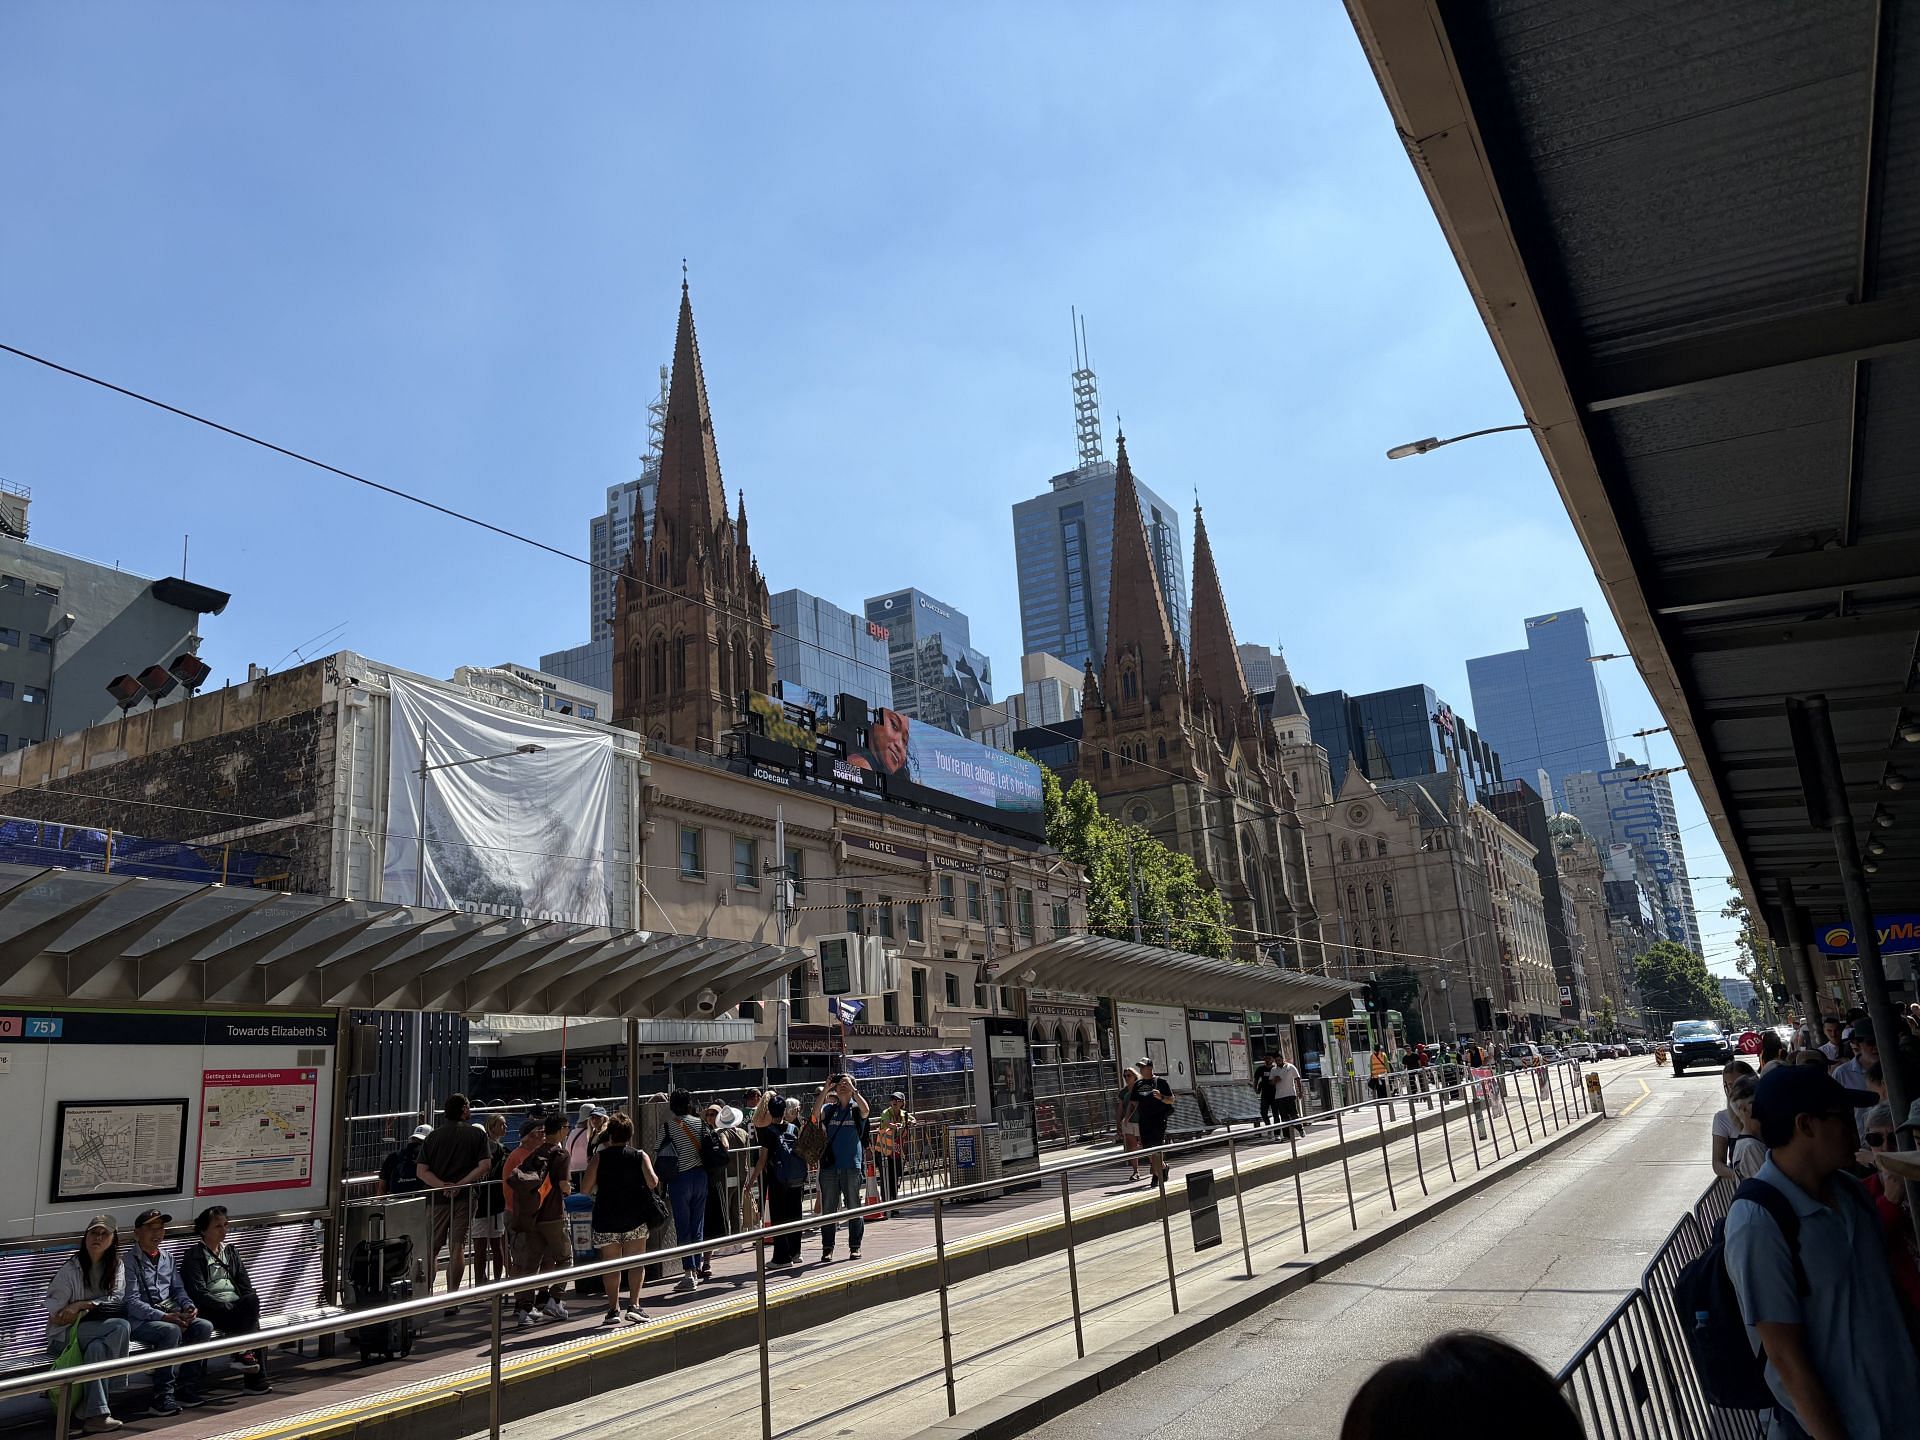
x: 256, y: 1130
x: 114, y: 1149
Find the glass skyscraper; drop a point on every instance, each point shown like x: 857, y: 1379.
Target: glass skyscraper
x: 821, y: 651
x: 938, y: 677
x: 1542, y: 707
x: 1063, y: 553
x: 1625, y: 804
x: 1405, y: 732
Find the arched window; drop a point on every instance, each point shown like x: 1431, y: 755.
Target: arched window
x: 1386, y: 895
x: 1352, y: 904
x: 1163, y: 747
x: 1363, y: 847
x: 1380, y: 845
x: 740, y: 677
x: 657, y: 672
x: 1106, y: 760
x: 679, y: 660
x: 761, y: 680
x: 1346, y: 853
x: 726, y: 669
x: 1369, y: 899
x: 1129, y: 684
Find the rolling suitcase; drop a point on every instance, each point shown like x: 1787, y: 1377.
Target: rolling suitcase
x: 377, y: 1270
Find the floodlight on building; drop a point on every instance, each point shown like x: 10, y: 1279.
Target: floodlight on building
x: 127, y: 692
x: 158, y: 682
x: 190, y: 670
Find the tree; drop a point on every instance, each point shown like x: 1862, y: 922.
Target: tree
x: 1177, y: 908
x: 1758, y: 962
x: 1608, y: 1020
x: 1675, y: 985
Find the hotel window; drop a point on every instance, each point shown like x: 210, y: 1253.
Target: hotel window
x: 1060, y: 920
x: 973, y: 899
x: 796, y: 871
x: 690, y: 866
x: 919, y: 996
x: 946, y: 895
x: 915, y: 923
x: 953, y: 991
x: 883, y: 917
x: 1023, y: 909
x: 999, y: 908
x: 856, y: 912
x: 746, y: 863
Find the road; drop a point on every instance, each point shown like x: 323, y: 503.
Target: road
x: 1539, y: 1259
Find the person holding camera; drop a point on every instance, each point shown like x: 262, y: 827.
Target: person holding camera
x: 842, y: 1112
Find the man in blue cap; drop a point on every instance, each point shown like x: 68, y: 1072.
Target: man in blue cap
x: 1815, y: 1288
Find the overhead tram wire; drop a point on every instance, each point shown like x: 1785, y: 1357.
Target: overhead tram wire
x: 394, y: 492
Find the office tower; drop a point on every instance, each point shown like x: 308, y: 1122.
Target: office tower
x: 628, y: 516
x: 821, y: 651
x: 1632, y: 805
x: 938, y: 677
x: 1063, y: 543
x: 1542, y: 708
x: 1521, y: 809
x: 1049, y: 697
x: 1400, y: 734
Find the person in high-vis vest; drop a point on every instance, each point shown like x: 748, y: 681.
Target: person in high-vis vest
x: 890, y: 1136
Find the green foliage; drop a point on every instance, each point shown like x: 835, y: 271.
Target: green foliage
x: 1675, y: 985
x: 1177, y: 909
x: 1758, y: 962
x: 1608, y: 1020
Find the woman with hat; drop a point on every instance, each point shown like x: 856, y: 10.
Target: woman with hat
x: 89, y: 1291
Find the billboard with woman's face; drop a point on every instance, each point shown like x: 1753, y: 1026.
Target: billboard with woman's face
x: 937, y: 759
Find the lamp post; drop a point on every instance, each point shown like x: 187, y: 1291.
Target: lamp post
x: 419, y: 1037
x: 1422, y: 447
x: 426, y: 769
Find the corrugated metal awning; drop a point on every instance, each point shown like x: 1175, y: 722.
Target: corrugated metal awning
x: 68, y: 935
x: 1123, y: 970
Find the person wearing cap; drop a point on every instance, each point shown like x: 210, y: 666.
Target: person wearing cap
x: 1888, y: 1192
x: 89, y: 1290
x: 1150, y: 1106
x: 1852, y: 1072
x: 162, y: 1315
x: 1822, y: 1307
x: 400, y: 1171
x: 454, y: 1158
x: 890, y: 1145
x: 585, y: 1139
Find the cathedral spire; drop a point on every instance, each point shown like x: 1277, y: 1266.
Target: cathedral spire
x: 1136, y: 611
x: 691, y: 497
x: 1215, y: 658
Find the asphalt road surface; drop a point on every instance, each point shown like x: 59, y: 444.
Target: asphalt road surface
x: 1539, y: 1258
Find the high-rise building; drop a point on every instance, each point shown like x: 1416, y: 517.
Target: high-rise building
x: 70, y: 627
x: 1520, y: 807
x: 694, y: 632
x: 938, y: 677
x: 1542, y: 708
x: 1583, y: 877
x: 825, y: 651
x: 1049, y: 697
x: 1173, y: 741
x: 1632, y: 805
x: 1400, y: 734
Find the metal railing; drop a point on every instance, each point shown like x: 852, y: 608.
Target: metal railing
x: 1634, y: 1377
x: 1557, y: 1103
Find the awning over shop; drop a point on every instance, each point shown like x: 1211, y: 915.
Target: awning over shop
x: 73, y: 935
x: 1122, y: 970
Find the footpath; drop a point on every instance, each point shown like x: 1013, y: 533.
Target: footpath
x: 858, y: 1348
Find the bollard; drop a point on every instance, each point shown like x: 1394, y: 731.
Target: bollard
x: 1596, y: 1097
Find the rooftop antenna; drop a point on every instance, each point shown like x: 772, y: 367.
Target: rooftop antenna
x: 656, y: 428
x: 1086, y: 395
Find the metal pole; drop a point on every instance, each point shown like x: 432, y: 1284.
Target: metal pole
x: 1073, y: 1269
x: 1523, y: 1079
x: 946, y: 1325
x: 1386, y: 1165
x: 1299, y: 1194
x: 1346, y: 1174
x: 633, y: 1073
x: 1513, y: 1142
x: 1246, y: 1248
x: 1166, y: 1232
x: 493, y: 1369
x: 1794, y: 921
x: 766, y: 1367
x: 1419, y: 1165
x: 1478, y: 1116
x: 1446, y: 1139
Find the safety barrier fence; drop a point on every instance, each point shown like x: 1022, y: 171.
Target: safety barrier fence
x: 1471, y: 1123
x: 1633, y: 1377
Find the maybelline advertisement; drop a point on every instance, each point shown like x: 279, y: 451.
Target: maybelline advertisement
x: 517, y: 810
x: 952, y: 764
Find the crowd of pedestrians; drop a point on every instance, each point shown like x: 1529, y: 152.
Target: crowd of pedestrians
x: 1819, y: 1241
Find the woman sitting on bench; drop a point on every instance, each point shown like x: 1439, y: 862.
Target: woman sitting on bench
x: 216, y: 1278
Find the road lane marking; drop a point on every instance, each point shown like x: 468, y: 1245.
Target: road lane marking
x: 1645, y: 1091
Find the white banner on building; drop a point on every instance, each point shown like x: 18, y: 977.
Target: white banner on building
x: 523, y: 835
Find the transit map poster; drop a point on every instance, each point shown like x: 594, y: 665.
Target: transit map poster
x: 116, y: 1149
x: 256, y: 1130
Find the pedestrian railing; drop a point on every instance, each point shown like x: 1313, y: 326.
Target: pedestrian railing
x: 1633, y: 1377
x: 1489, y: 1127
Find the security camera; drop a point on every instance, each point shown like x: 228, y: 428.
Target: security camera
x: 706, y: 1002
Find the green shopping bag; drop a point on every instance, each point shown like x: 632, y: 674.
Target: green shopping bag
x: 67, y: 1395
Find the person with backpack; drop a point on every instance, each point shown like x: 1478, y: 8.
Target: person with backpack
x: 842, y: 1112
x: 1806, y: 1259
x: 490, y: 1207
x: 622, y: 1181
x: 400, y: 1171
x: 537, y: 1189
x: 784, y: 1174
x: 685, y: 1145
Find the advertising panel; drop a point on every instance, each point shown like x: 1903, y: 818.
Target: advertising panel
x: 1897, y: 934
x: 1160, y: 1033
x: 507, y: 831
x: 951, y: 764
x: 256, y: 1130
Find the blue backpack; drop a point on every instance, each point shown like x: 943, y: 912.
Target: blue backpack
x: 788, y: 1167
x: 1731, y: 1375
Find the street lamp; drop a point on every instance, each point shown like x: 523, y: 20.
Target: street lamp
x: 426, y: 769
x: 1421, y: 447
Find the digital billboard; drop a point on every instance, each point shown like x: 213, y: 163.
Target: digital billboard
x: 936, y: 759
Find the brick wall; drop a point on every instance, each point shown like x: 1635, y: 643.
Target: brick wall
x: 251, y: 765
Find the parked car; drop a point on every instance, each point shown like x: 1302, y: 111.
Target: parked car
x: 1639, y: 1047
x: 1581, y: 1050
x: 1520, y: 1053
x: 1698, y: 1042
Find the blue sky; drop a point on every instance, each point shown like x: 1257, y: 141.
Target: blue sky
x: 441, y: 245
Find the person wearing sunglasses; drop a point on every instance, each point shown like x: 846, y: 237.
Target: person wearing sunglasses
x: 1890, y: 1196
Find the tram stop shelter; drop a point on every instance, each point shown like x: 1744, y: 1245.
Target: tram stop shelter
x: 1693, y: 233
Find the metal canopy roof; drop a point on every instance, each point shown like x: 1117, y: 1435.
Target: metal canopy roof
x: 1122, y: 970
x: 1694, y: 234
x: 70, y: 935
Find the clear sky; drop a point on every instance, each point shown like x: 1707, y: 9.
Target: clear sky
x: 440, y: 245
